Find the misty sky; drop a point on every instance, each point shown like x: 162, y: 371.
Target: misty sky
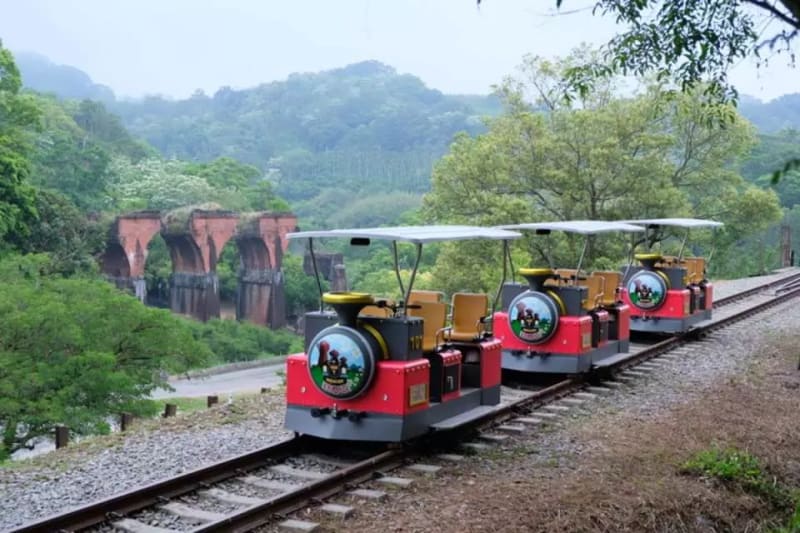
x: 173, y: 47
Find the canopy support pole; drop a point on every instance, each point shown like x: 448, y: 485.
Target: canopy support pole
x: 407, y: 294
x: 316, y: 271
x: 580, y: 260
x: 683, y: 244
x: 397, y: 267
x: 506, y: 253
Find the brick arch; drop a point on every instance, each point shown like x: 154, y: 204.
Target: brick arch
x: 126, y: 251
x: 114, y: 261
x: 185, y: 254
x: 253, y: 253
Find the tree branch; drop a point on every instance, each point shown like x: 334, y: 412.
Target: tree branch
x: 763, y: 4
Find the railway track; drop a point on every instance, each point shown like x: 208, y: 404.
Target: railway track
x: 244, y: 492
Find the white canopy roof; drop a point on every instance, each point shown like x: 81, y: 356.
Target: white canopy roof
x: 677, y: 222
x: 413, y: 234
x: 583, y: 227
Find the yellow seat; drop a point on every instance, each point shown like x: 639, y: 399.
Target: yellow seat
x: 426, y: 296
x: 434, y: 316
x: 374, y: 310
x: 383, y: 308
x: 567, y: 275
x: 695, y: 269
x: 612, y: 281
x: 469, y: 313
x: 595, y: 286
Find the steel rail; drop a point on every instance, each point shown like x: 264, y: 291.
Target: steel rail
x: 137, y: 499
x: 142, y: 497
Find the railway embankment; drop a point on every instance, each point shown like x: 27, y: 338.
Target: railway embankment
x: 606, y: 454
x: 628, y: 459
x: 151, y: 450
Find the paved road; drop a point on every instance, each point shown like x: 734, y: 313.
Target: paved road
x: 248, y: 380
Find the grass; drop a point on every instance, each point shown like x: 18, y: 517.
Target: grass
x: 729, y: 466
x: 185, y: 405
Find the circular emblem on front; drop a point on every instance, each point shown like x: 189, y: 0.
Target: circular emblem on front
x: 533, y: 316
x: 647, y: 289
x: 340, y: 362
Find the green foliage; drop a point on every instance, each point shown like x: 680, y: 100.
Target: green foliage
x: 18, y: 114
x: 232, y: 341
x: 691, y: 43
x: 737, y: 469
x: 302, y: 293
x: 650, y: 155
x: 339, y: 208
x: 728, y: 465
x: 159, y: 184
x: 76, y: 351
x: 61, y: 230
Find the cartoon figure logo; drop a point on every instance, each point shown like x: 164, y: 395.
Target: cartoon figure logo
x: 337, y: 365
x: 532, y: 317
x: 646, y: 290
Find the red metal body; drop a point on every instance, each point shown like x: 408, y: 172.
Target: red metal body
x: 390, y: 392
x: 602, y: 318
x: 491, y: 350
x: 709, y: 288
x: 452, y: 358
x: 624, y: 321
x: 573, y: 336
x: 676, y: 305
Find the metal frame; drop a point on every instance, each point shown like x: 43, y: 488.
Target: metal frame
x: 580, y: 227
x: 417, y: 235
x: 686, y: 223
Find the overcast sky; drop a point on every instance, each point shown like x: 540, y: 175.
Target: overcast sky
x: 173, y: 47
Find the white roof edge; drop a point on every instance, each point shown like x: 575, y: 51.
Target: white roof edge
x: 583, y: 227
x: 413, y: 234
x: 677, y: 222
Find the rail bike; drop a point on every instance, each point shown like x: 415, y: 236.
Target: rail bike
x: 563, y: 321
x: 378, y: 370
x: 666, y: 293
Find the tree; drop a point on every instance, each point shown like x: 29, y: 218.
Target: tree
x: 694, y: 42
x: 302, y: 293
x: 158, y: 184
x: 76, y: 351
x: 18, y: 114
x: 601, y: 157
x: 61, y: 230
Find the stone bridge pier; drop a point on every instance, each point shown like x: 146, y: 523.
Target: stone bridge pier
x: 195, y: 245
x: 262, y: 241
x: 126, y: 253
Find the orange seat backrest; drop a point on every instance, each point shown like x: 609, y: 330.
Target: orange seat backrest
x: 612, y: 282
x: 426, y: 296
x: 374, y: 310
x: 696, y: 269
x: 434, y: 316
x: 595, y: 285
x: 469, y: 309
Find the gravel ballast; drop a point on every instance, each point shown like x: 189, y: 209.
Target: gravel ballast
x: 153, y: 450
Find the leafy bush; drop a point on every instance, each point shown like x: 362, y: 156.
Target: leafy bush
x: 76, y: 351
x: 232, y: 341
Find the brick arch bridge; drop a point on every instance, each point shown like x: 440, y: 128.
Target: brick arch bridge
x: 195, y: 244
